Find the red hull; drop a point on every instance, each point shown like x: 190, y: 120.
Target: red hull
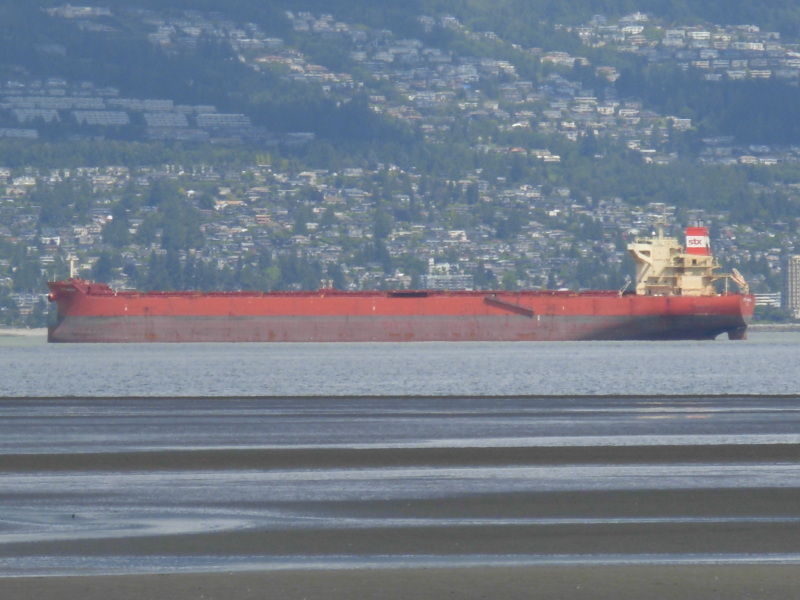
x: 95, y: 313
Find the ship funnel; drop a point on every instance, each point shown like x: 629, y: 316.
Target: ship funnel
x: 697, y: 241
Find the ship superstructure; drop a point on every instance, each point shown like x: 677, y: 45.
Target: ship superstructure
x: 664, y: 268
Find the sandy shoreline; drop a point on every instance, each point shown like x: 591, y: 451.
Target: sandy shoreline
x: 342, y: 458
x: 10, y: 333
x: 14, y: 332
x: 636, y: 523
x: 14, y: 338
x: 157, y: 515
x: 678, y: 582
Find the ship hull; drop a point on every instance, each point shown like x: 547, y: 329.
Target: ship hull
x: 101, y: 315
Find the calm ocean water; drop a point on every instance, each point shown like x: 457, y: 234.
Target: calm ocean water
x: 767, y: 363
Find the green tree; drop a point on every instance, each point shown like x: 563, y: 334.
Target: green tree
x: 147, y: 232
x: 116, y: 232
x: 25, y: 271
x: 509, y: 281
x: 155, y: 276
x: 382, y: 223
x: 103, y: 268
x: 180, y: 224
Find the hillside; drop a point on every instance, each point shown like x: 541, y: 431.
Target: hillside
x: 282, y: 145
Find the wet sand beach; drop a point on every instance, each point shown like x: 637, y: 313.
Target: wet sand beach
x: 40, y: 332
x: 723, y: 582
x: 22, y: 338
x: 397, y: 498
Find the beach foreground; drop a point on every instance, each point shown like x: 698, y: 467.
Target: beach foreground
x: 400, y: 498
x: 598, y: 583
x: 17, y: 332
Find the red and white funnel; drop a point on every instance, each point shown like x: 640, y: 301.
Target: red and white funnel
x: 697, y: 241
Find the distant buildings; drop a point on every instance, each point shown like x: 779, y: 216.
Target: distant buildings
x: 791, y: 286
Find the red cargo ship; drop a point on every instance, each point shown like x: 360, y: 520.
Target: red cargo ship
x: 675, y: 299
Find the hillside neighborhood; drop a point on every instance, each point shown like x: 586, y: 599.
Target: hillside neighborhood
x: 432, y: 88
x: 270, y: 215
x: 479, y: 231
